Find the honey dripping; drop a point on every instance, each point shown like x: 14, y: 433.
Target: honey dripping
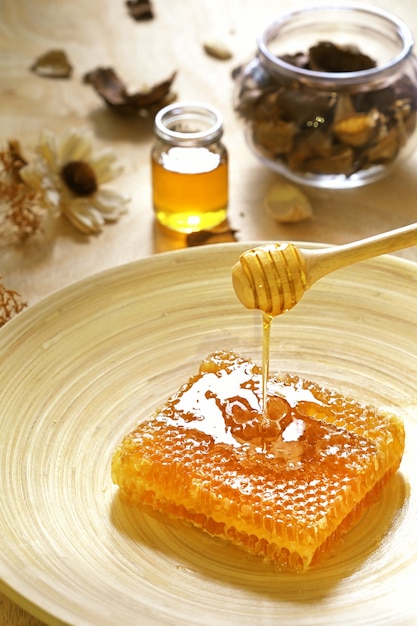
x: 266, y: 341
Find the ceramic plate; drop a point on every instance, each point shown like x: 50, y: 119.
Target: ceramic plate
x: 81, y: 368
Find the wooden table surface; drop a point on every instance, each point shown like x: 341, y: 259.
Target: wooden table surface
x: 144, y: 53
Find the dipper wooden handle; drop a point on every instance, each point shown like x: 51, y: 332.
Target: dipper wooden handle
x: 274, y: 277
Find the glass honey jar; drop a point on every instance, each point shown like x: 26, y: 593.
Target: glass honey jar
x: 189, y: 166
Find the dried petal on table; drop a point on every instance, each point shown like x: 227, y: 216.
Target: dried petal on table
x: 287, y: 203
x: 52, y: 64
x: 114, y: 92
x: 140, y: 10
x: 217, y: 49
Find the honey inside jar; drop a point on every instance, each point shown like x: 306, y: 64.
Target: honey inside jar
x: 189, y: 167
x: 190, y: 188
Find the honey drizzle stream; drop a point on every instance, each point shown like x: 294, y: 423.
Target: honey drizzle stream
x: 266, y: 335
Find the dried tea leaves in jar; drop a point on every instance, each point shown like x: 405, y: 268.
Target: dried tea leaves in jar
x: 328, y: 57
x: 322, y: 131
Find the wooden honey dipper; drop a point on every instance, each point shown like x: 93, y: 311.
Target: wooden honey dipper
x: 273, y: 277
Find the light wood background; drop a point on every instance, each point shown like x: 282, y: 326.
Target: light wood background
x: 143, y: 53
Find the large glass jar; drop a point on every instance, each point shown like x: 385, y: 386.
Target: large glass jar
x: 330, y: 98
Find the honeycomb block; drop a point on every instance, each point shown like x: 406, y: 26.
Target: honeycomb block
x: 284, y: 486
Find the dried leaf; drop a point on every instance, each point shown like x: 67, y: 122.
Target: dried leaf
x: 52, y: 64
x: 219, y: 234
x: 357, y: 130
x: 140, y: 10
x: 114, y: 92
x: 386, y: 149
x: 217, y: 49
x: 286, y: 203
x: 328, y: 57
x: 340, y: 161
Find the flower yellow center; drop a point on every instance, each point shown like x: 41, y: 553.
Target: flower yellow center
x: 80, y: 178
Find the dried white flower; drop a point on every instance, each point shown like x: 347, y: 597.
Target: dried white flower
x: 70, y: 175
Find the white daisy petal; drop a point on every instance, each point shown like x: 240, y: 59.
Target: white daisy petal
x: 75, y: 147
x: 110, y: 203
x: 81, y: 224
x: 53, y: 198
x: 104, y: 166
x: 84, y: 213
x: 32, y: 175
x: 48, y: 150
x: 87, y: 207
